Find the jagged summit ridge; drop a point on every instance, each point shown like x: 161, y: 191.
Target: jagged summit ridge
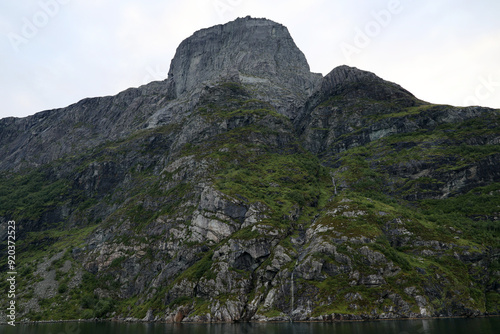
x: 344, y: 77
x: 253, y: 50
x: 258, y: 54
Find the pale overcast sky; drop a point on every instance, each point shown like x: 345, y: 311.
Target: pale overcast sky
x: 57, y: 52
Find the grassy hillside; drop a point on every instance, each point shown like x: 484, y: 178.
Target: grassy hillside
x: 228, y: 216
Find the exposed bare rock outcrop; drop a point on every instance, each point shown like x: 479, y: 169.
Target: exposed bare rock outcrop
x: 243, y: 187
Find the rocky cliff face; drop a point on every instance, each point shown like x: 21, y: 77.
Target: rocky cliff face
x: 53, y: 134
x: 244, y: 187
x: 251, y: 50
x: 257, y: 53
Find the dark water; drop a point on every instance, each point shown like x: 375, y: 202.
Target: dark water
x: 433, y: 326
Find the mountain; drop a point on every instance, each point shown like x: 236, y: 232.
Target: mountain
x: 246, y: 188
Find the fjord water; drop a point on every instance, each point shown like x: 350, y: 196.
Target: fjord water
x: 430, y: 326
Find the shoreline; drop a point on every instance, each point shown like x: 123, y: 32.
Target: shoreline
x: 137, y: 321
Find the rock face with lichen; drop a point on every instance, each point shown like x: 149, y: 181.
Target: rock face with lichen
x: 246, y: 188
x: 251, y: 50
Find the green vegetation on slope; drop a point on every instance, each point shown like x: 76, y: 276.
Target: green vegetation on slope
x: 388, y: 203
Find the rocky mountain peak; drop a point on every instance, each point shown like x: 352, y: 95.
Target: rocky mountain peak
x: 251, y: 50
x: 346, y: 74
x: 356, y: 83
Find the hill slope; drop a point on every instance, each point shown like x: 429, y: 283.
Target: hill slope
x: 244, y: 187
